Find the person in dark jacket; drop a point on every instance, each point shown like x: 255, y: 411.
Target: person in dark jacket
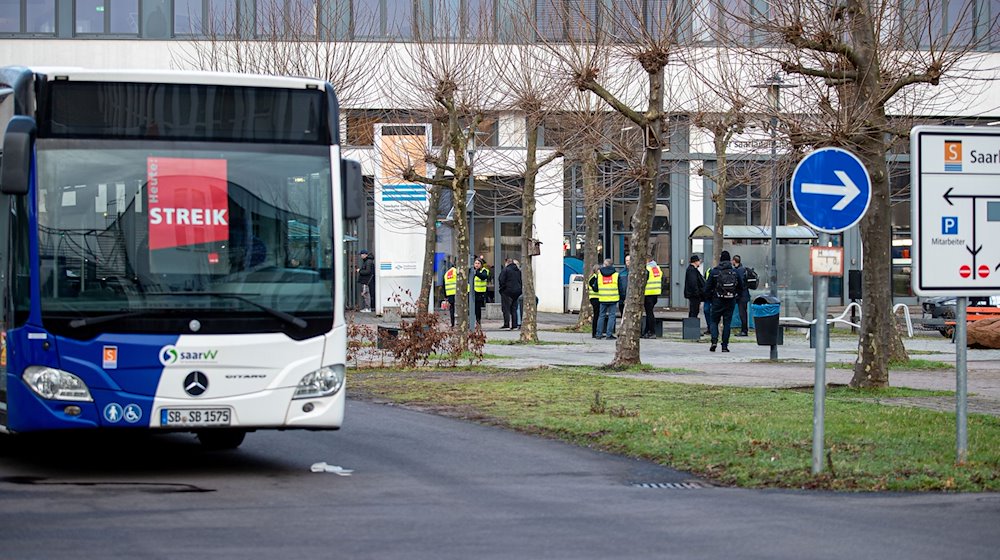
x: 366, y: 280
x: 595, y: 303
x: 510, y: 290
x: 504, y: 300
x: 694, y: 285
x: 744, y: 299
x: 724, y: 288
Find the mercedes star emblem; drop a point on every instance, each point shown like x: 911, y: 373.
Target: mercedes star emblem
x: 196, y: 383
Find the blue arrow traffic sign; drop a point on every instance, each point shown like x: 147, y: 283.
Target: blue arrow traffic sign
x: 831, y: 189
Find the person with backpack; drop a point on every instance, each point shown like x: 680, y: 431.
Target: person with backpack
x: 744, y: 299
x: 724, y: 287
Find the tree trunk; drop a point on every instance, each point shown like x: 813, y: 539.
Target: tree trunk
x: 529, y: 309
x: 879, y: 341
x: 459, y: 188
x: 627, y: 349
x: 430, y: 232
x: 461, y: 229
x: 721, y: 178
x: 719, y: 235
x: 591, y: 222
x: 430, y: 244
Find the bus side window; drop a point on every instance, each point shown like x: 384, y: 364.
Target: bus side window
x: 20, y: 261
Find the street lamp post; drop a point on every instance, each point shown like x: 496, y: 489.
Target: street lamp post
x: 774, y: 85
x: 471, y: 209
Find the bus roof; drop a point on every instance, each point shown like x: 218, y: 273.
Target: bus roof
x: 178, y: 77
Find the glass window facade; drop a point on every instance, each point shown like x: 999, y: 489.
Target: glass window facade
x: 971, y: 21
x: 28, y: 16
x: 116, y: 17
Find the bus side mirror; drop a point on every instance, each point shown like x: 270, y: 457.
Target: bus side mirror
x: 15, y: 169
x: 352, y: 189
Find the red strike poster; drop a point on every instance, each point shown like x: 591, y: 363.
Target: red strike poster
x: 188, y: 201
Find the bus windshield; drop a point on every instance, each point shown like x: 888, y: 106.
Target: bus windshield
x: 150, y: 235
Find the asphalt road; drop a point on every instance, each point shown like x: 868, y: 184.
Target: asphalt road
x: 430, y: 487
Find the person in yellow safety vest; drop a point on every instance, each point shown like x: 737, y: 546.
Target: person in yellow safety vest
x: 481, y: 277
x: 595, y: 303
x: 450, y: 284
x: 607, y: 294
x: 654, y: 286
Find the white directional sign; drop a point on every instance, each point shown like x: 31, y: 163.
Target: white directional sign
x: 831, y: 189
x: 955, y: 195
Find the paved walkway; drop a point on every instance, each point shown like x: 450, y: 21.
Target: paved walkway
x: 748, y: 364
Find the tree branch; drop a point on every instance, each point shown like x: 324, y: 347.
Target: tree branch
x: 829, y: 75
x: 591, y: 85
x: 829, y: 45
x: 411, y: 175
x: 552, y: 157
x: 932, y: 77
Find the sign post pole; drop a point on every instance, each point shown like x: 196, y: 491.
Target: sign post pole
x: 819, y: 392
x: 961, y: 380
x: 831, y: 191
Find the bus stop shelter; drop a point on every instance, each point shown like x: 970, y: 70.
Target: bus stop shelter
x: 753, y: 244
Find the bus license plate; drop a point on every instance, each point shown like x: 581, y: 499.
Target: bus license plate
x: 195, y: 417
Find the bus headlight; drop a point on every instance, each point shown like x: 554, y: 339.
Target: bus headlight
x: 320, y: 383
x: 56, y: 384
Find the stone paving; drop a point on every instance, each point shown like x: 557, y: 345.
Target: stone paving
x: 747, y: 365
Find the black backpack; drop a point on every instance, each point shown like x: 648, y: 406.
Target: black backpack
x: 727, y: 283
x: 752, y: 279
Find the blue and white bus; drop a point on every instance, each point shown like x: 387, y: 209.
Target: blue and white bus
x: 172, y: 254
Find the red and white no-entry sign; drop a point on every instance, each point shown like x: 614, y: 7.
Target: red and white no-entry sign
x: 965, y: 271
x: 984, y: 271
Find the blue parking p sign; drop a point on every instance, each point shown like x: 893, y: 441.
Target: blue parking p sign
x: 831, y: 189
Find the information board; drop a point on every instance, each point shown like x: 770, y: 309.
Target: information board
x: 955, y: 201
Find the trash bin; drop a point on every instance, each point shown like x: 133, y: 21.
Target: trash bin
x: 575, y: 296
x: 766, y: 311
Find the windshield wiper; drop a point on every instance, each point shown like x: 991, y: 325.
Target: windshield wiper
x: 88, y: 321
x: 286, y: 317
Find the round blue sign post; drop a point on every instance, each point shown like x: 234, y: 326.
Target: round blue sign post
x: 831, y: 189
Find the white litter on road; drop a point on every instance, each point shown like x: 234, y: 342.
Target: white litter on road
x: 323, y: 467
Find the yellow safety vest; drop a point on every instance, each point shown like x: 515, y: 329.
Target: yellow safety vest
x: 607, y: 288
x: 593, y: 293
x: 480, y: 284
x: 450, y: 281
x: 654, y: 280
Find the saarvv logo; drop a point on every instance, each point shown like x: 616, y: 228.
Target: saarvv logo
x: 953, y: 155
x: 188, y: 201
x: 170, y: 355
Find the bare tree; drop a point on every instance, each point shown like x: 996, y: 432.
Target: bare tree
x: 531, y: 91
x: 853, y: 59
x: 287, y: 39
x: 448, y: 77
x: 632, y: 35
x: 591, y: 143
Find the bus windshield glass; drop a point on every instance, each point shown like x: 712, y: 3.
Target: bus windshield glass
x: 150, y: 235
